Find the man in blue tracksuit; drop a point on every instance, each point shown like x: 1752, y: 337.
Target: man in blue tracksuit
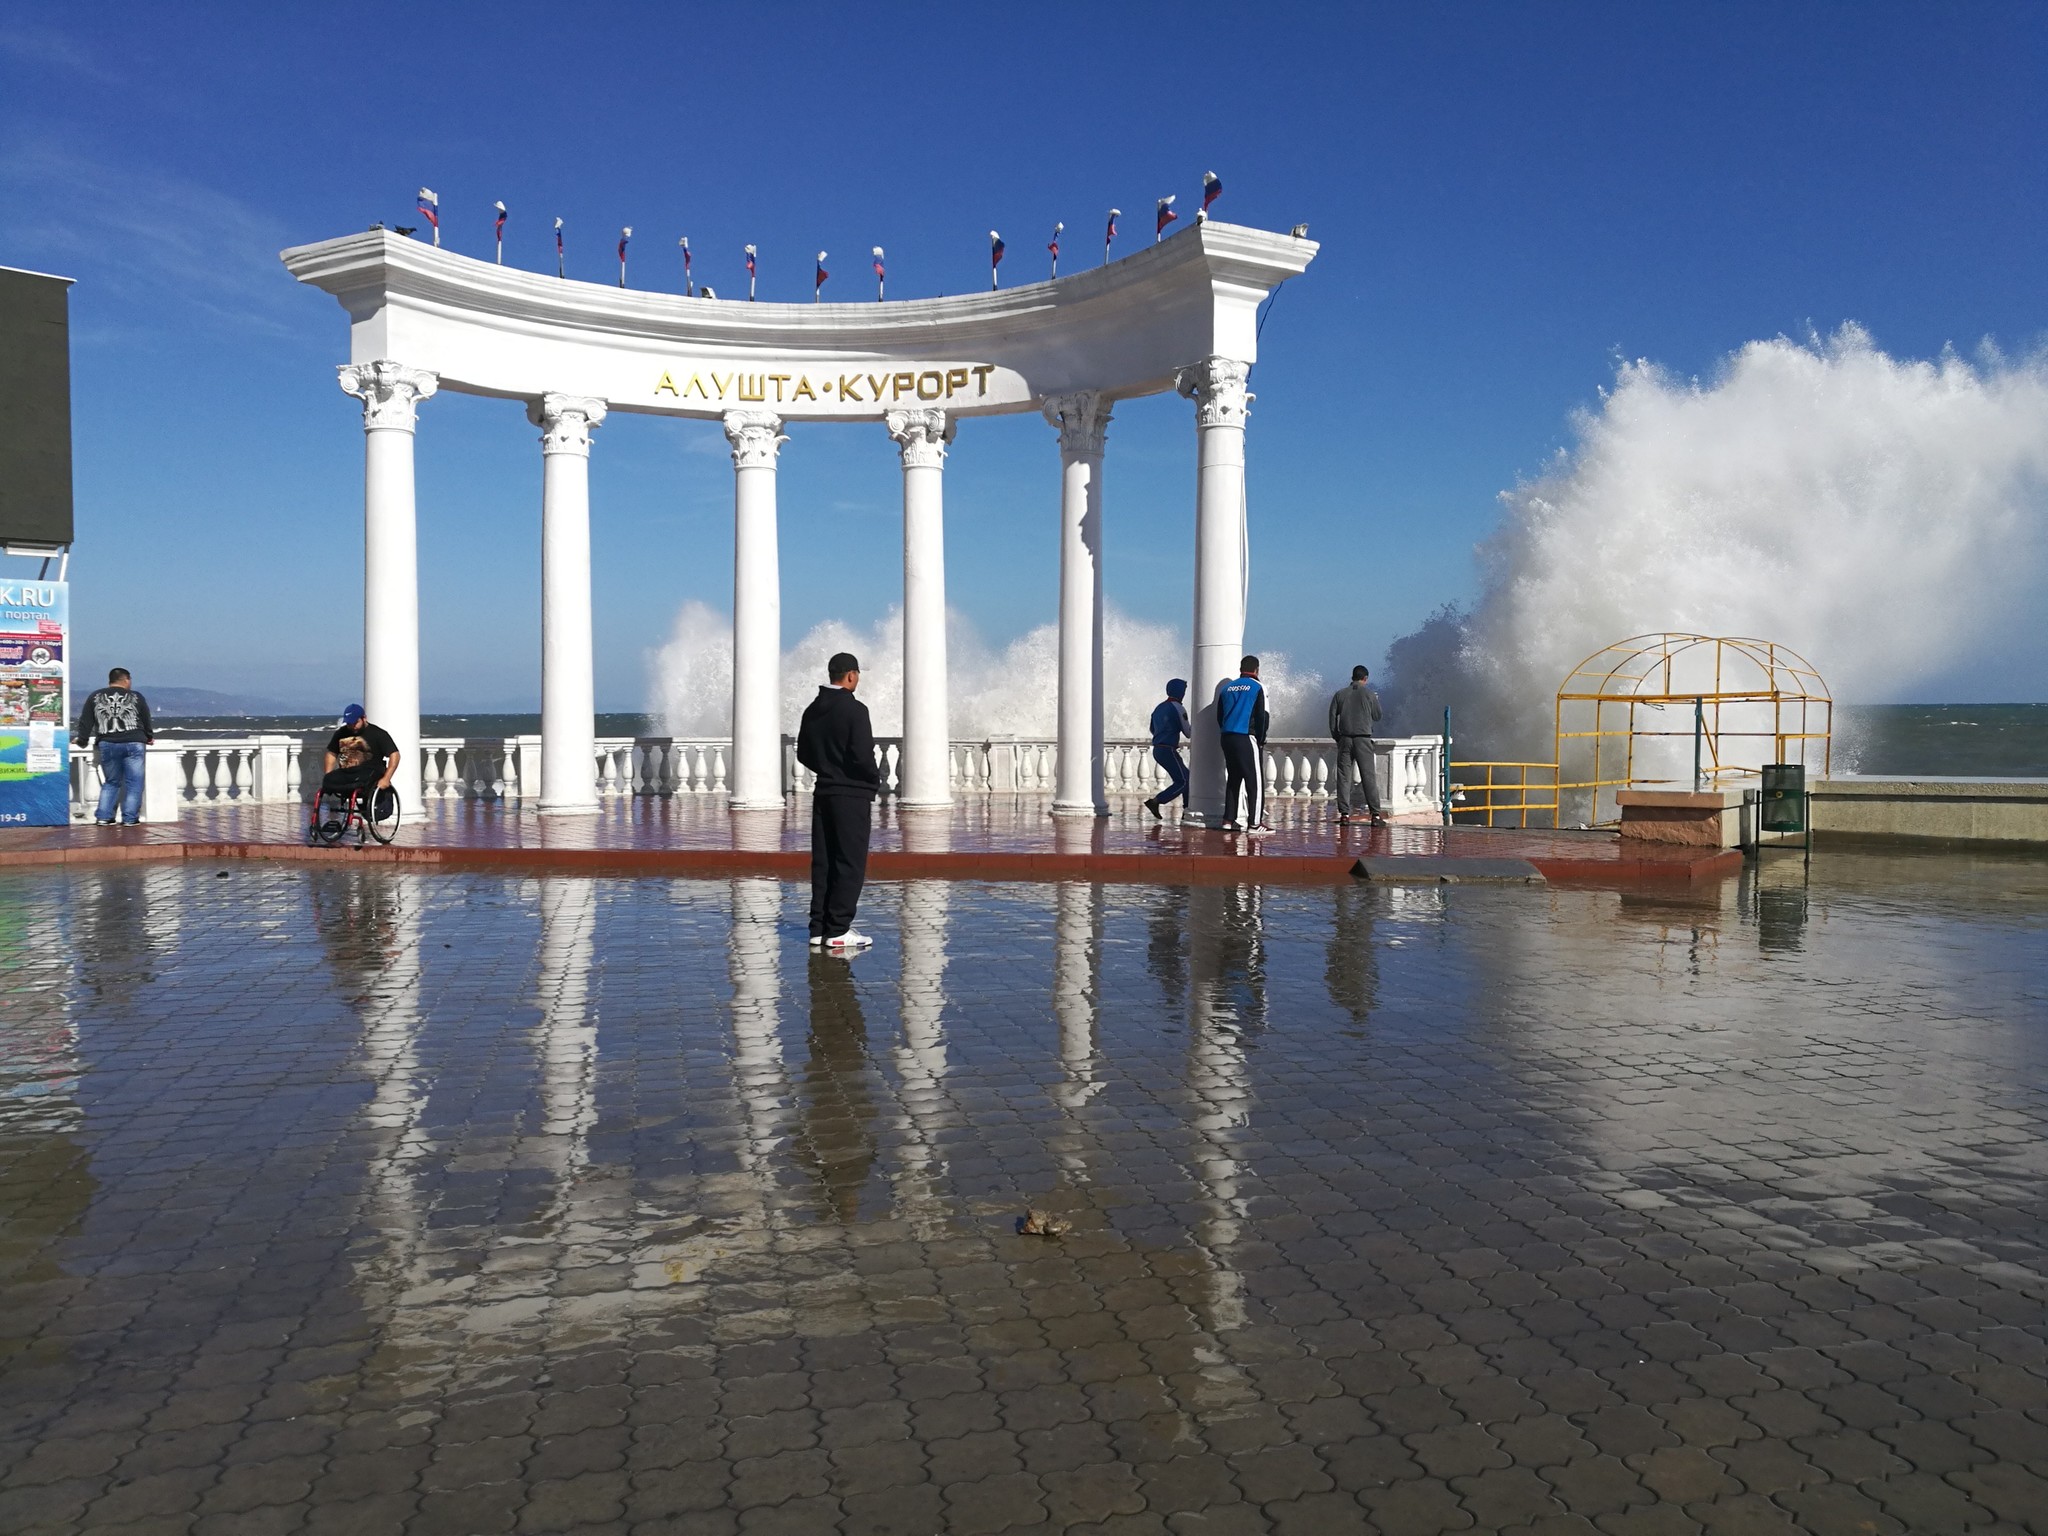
x: 1169, y: 724
x: 1242, y: 719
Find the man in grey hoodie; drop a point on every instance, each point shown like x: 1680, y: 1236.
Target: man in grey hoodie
x: 1352, y: 713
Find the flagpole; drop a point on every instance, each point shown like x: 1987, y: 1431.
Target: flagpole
x: 687, y: 280
x: 878, y: 275
x: 751, y: 255
x: 1057, y: 230
x: 500, y: 228
x: 624, y: 235
x: 818, y: 287
x: 995, y: 258
x: 560, y: 270
x: 1110, y: 233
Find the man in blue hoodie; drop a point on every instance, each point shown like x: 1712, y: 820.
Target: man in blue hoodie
x: 1169, y: 724
x: 1241, y: 719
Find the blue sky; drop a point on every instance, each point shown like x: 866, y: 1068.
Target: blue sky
x: 1509, y: 198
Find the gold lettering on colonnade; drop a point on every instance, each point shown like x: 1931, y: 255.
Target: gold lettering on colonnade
x: 848, y: 388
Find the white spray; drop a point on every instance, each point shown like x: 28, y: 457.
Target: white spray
x: 1011, y: 691
x: 1887, y: 518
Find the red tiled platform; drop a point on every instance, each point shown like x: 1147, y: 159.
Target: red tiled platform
x: 982, y: 839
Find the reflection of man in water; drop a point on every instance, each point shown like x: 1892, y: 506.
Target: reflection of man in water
x: 838, y: 1107
x: 1166, y: 954
x: 1350, y: 969
x: 1227, y: 954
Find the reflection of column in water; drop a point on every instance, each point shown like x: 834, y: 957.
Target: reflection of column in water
x: 567, y: 1044
x: 921, y: 1055
x: 373, y: 934
x: 1076, y: 955
x: 1226, y: 976
x: 754, y: 961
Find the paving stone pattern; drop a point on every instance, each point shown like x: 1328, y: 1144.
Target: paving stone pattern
x: 360, y: 1201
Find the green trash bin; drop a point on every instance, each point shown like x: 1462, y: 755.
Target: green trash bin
x: 1781, y: 804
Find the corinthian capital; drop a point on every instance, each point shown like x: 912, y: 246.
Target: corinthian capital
x: 756, y: 438
x: 565, y: 422
x: 1083, y: 422
x: 1216, y: 385
x: 922, y: 435
x: 389, y: 392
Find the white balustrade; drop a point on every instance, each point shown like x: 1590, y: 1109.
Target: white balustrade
x: 253, y: 770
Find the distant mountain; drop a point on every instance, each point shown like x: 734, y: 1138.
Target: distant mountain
x: 174, y: 703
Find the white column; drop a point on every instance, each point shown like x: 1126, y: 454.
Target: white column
x: 568, y: 687
x: 1082, y: 419
x: 1217, y: 386
x: 391, y: 577
x: 923, y: 778
x: 755, y: 778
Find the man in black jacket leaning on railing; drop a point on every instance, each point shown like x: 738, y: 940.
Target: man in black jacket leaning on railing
x: 837, y: 743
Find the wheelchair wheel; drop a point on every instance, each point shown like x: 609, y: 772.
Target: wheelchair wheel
x: 328, y: 828
x: 383, y: 814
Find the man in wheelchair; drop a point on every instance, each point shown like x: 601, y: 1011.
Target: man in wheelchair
x: 361, y: 758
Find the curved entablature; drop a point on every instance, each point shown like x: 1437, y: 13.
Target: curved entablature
x: 1119, y: 330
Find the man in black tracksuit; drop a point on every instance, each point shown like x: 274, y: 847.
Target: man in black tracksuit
x: 837, y: 743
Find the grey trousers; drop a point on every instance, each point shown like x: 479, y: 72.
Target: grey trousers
x: 1356, y: 751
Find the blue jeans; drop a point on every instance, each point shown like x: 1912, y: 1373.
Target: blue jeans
x: 121, y: 774
x: 1169, y: 759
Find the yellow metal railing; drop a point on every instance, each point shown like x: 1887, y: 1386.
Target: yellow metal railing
x: 1504, y: 789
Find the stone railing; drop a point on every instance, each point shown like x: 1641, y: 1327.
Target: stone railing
x: 252, y: 770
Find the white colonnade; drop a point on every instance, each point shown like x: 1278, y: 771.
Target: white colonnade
x: 1083, y: 422
x: 922, y: 436
x: 1180, y: 314
x: 568, y: 661
x: 756, y: 772
x: 390, y: 393
x: 1222, y: 572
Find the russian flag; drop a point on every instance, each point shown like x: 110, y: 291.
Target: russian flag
x: 1166, y: 216
x: 1054, y: 245
x: 1110, y: 233
x: 822, y: 275
x: 624, y: 235
x: 430, y: 207
x: 995, y: 249
x: 499, y: 226
x: 1212, y: 188
x: 879, y: 273
x: 750, y: 261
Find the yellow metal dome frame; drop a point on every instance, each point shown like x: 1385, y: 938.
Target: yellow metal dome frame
x: 1628, y: 717
x: 1655, y: 687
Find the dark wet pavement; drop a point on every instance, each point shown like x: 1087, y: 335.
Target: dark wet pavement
x: 356, y: 1200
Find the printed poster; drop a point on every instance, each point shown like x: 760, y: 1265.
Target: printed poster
x: 35, y: 736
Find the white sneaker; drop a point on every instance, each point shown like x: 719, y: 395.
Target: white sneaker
x: 817, y: 941
x: 849, y: 940
x: 1259, y: 831
x: 1231, y: 826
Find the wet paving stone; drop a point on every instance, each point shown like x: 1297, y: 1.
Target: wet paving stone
x: 361, y: 1200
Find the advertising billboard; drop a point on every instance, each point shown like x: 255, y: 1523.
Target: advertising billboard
x: 35, y: 736
x: 35, y: 409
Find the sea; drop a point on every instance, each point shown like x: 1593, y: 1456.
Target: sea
x: 1930, y: 740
